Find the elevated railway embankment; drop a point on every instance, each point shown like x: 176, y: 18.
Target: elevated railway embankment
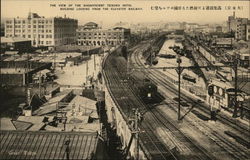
x: 121, y: 101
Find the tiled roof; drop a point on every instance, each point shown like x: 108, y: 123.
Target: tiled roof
x: 47, y: 145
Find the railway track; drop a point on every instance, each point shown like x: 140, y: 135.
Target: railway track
x: 148, y: 138
x: 218, y: 139
x: 154, y: 148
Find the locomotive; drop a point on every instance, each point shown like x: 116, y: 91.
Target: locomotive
x: 143, y: 87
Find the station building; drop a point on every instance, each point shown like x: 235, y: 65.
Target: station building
x: 92, y: 35
x: 42, y: 31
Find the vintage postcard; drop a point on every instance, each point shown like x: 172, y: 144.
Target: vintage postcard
x: 116, y: 79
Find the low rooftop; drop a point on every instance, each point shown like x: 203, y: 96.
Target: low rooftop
x: 13, y: 39
x: 48, y: 145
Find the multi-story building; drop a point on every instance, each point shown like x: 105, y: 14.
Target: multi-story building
x: 218, y: 29
x: 239, y: 27
x: 92, y: 35
x: 42, y: 31
x: 248, y: 31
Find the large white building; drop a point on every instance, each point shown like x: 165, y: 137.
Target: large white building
x: 42, y: 31
x: 92, y: 35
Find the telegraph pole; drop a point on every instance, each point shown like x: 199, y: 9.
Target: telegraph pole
x: 40, y: 84
x: 179, y: 71
x: 87, y: 66
x: 235, y: 87
x: 137, y: 134
x: 94, y: 63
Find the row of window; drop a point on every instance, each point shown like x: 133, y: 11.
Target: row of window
x: 29, y: 21
x: 99, y: 37
x: 98, y: 42
x: 28, y: 31
x: 104, y: 34
x: 29, y: 26
x: 42, y: 42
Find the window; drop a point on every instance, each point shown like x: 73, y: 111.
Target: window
x: 29, y: 36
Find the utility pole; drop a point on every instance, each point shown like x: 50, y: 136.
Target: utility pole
x: 179, y: 71
x: 137, y: 133
x: 235, y: 87
x: 40, y: 84
x: 87, y: 66
x: 94, y: 63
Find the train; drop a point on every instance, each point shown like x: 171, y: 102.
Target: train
x: 189, y: 78
x: 143, y: 87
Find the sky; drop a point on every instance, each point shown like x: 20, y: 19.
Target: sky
x: 14, y: 8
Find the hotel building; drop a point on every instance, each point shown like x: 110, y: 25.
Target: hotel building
x: 43, y: 31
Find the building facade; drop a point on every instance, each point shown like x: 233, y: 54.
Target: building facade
x: 239, y: 26
x: 43, y: 31
x: 15, y: 44
x: 92, y: 35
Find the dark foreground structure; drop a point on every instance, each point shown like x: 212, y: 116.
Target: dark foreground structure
x: 49, y: 145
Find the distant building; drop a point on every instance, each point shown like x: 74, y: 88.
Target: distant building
x: 19, y: 73
x: 240, y: 27
x: 15, y: 44
x: 173, y: 26
x: 248, y: 31
x: 42, y: 31
x: 191, y: 26
x: 218, y: 29
x: 2, y: 30
x: 223, y: 42
x: 92, y: 35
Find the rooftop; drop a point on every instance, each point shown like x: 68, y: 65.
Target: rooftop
x: 13, y: 39
x: 47, y: 145
x: 13, y: 70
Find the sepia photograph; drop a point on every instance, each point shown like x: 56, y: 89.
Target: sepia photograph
x: 125, y: 80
